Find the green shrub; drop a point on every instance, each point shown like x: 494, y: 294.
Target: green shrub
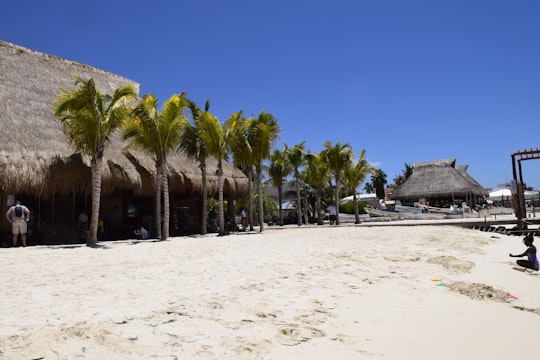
x: 347, y: 207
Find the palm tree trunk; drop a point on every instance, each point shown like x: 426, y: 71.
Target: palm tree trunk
x: 337, y: 199
x: 97, y: 170
x: 250, y: 196
x: 157, y: 222
x: 298, y: 198
x: 319, y: 215
x: 280, y: 199
x: 306, y: 207
x: 356, y: 215
x: 220, y: 199
x: 204, y: 226
x: 260, y: 187
x: 166, y: 209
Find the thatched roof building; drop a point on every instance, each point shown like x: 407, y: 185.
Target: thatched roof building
x: 36, y: 157
x: 439, y: 179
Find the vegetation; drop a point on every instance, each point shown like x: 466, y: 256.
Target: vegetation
x: 405, y: 174
x: 296, y: 159
x: 318, y: 175
x: 354, y: 175
x: 262, y: 133
x: 348, y: 207
x: 338, y: 157
x: 378, y: 179
x: 192, y: 145
x: 157, y: 133
x: 278, y: 170
x: 89, y: 118
x: 215, y: 140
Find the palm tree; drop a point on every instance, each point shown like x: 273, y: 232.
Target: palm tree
x: 242, y: 151
x: 157, y: 133
x: 89, y: 119
x: 318, y: 175
x: 338, y: 157
x: 378, y: 179
x: 296, y: 158
x: 215, y: 139
x: 353, y: 176
x: 278, y: 170
x: 405, y: 174
x: 192, y: 145
x: 368, y: 187
x: 262, y: 132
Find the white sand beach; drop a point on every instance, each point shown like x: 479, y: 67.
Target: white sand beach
x: 348, y: 292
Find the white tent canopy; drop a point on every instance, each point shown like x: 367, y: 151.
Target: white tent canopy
x: 506, y: 194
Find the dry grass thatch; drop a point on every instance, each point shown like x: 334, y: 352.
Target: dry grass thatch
x: 37, y: 158
x: 438, y: 179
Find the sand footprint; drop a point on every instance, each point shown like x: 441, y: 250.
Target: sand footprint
x: 292, y: 334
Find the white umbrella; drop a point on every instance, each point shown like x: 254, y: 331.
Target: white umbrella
x: 500, y: 194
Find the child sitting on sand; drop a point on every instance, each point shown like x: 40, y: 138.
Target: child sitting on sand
x: 532, y: 260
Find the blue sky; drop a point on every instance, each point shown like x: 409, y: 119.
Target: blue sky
x: 406, y: 80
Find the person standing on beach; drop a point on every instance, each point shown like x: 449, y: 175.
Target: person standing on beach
x: 243, y: 216
x: 331, y: 213
x: 530, y: 252
x: 82, y: 225
x: 18, y: 215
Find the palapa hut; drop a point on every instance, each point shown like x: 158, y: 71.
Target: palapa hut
x: 39, y: 167
x: 440, y: 183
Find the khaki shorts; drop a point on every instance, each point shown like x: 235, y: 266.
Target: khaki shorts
x: 19, y: 226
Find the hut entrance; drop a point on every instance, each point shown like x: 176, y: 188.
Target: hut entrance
x: 518, y: 187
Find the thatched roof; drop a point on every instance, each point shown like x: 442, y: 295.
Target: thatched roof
x: 37, y: 158
x: 438, y: 179
x: 463, y: 170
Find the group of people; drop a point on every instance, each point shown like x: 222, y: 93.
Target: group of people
x: 230, y: 224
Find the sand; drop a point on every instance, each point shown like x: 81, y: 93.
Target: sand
x: 348, y: 292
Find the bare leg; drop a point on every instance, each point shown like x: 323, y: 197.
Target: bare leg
x: 23, y: 240
x: 14, y: 240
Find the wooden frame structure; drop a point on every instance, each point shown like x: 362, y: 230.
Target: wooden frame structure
x: 518, y: 192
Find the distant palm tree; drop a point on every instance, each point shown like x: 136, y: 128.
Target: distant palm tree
x: 192, y: 145
x: 89, y: 118
x: 353, y: 176
x: 338, y: 157
x: 368, y: 187
x: 378, y: 179
x: 262, y: 133
x: 318, y: 175
x: 278, y: 170
x: 296, y: 158
x: 157, y: 133
x: 405, y: 174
